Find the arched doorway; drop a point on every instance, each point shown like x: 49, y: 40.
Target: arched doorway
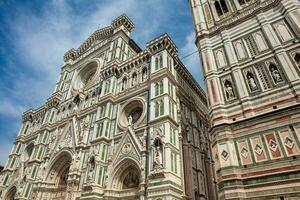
x: 126, y: 181
x: 11, y: 194
x: 56, y: 181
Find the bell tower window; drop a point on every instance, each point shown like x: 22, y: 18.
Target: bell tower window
x: 221, y: 8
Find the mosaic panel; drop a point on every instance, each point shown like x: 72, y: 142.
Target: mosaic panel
x: 244, y: 152
x: 288, y: 142
x: 273, y: 146
x: 258, y: 149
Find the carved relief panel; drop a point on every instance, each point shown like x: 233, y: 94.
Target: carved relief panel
x: 220, y: 57
x: 240, y: 49
x: 283, y: 31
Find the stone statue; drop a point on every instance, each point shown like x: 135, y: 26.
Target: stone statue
x: 134, y: 80
x: 229, y: 91
x: 130, y: 120
x: 252, y: 83
x: 75, y: 161
x: 84, y: 128
x: 91, y: 167
x: 157, y: 157
x: 276, y: 76
x: 124, y: 82
x: 144, y: 75
x: 42, y: 171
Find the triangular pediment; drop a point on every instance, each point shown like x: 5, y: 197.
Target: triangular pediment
x: 66, y: 138
x: 129, y: 147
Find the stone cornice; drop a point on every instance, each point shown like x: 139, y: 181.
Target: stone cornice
x: 162, y: 42
x: 102, y: 33
x: 27, y: 115
x: 182, y: 70
x: 54, y: 100
x: 72, y: 54
x: 116, y: 67
x: 123, y: 20
x: 237, y: 18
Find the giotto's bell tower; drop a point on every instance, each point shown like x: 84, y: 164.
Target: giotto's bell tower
x: 250, y: 55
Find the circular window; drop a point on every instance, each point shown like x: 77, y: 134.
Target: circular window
x: 135, y: 114
x: 132, y: 113
x: 86, y: 75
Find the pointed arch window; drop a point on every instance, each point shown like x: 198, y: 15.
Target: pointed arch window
x: 158, y: 62
x: 221, y: 7
x: 145, y: 74
x: 124, y: 84
x: 107, y: 86
x: 159, y: 108
x: 134, y: 79
x: 159, y: 88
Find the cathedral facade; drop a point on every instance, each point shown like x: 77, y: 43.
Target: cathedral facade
x: 250, y: 55
x: 122, y: 123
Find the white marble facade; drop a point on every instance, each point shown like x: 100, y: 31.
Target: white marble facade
x: 114, y: 128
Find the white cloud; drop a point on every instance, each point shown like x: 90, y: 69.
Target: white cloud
x: 10, y: 109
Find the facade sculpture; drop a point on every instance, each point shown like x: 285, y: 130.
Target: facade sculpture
x: 100, y: 135
x: 250, y: 60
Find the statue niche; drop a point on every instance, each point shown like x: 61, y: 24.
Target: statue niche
x: 157, y: 154
x: 275, y: 73
x: 229, y: 90
x: 251, y: 82
x: 91, y: 168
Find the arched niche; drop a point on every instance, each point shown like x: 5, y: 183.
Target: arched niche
x: 127, y: 176
x: 11, y: 194
x: 87, y: 75
x: 59, y: 169
x: 27, y: 152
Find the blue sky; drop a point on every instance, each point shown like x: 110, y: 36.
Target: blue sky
x: 35, y: 34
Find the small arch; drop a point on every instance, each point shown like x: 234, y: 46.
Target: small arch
x: 133, y: 79
x: 124, y: 84
x: 28, y: 152
x: 156, y: 63
x: 144, y: 74
x: 58, y: 165
x: 76, y: 100
x: 11, y: 194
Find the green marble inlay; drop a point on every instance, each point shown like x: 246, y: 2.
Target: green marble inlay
x: 164, y: 183
x: 92, y: 194
x: 260, y: 180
